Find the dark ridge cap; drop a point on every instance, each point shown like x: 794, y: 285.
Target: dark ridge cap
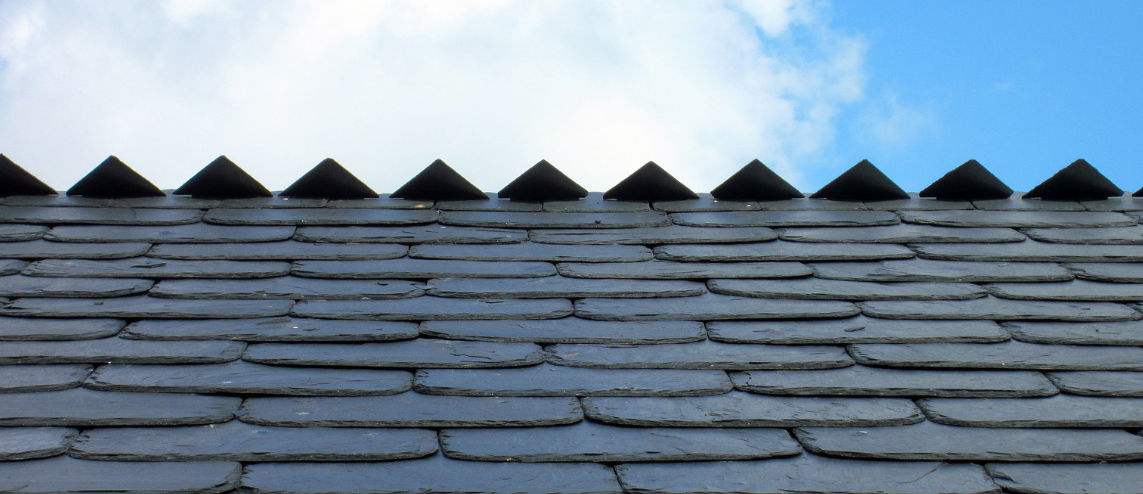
x: 970, y: 181
x: 329, y: 180
x: 222, y: 179
x: 1078, y: 181
x: 862, y: 182
x: 16, y: 181
x: 543, y: 182
x: 755, y: 182
x: 650, y: 183
x: 439, y: 182
x: 1138, y: 193
x: 113, y: 179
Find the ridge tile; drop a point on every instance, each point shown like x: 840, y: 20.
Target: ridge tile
x: 1078, y: 181
x: 27, y: 443
x: 411, y: 409
x: 99, y: 216
x: 270, y: 329
x: 670, y: 270
x: 1007, y: 355
x: 755, y: 182
x: 543, y: 182
x: 554, y: 380
x: 858, y: 329
x: 900, y: 234
x: 415, y: 234
x: 416, y: 354
x: 1057, y: 411
x: 739, y: 409
x: 320, y: 216
x: 780, y: 250
x: 135, y: 307
x: 649, y: 183
x: 1099, y: 383
x: 42, y: 249
x: 709, y: 307
x: 222, y: 179
x: 289, y: 250
x: 439, y: 182
x: 921, y: 270
x: 424, y: 308
x: 822, y: 289
x: 113, y: 179
x: 18, y: 182
x: 142, y: 267
x: 87, y: 408
x: 860, y: 380
x: 120, y: 351
x: 194, y: 233
x: 558, y: 287
x: 969, y: 181
x: 1018, y: 219
x: 1127, y: 333
x: 34, y: 378
x: 999, y: 310
x: 700, y: 355
x: 247, y: 378
x: 1119, y: 478
x: 533, y: 252
x: 861, y: 182
x: 287, y: 287
x: 725, y: 219
x: 567, y: 330
x: 419, y: 269
x: 328, y: 180
x: 671, y: 234
x: 64, y: 474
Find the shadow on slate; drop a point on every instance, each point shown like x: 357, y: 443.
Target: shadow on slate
x: 222, y: 179
x: 862, y: 182
x: 329, y: 180
x: 650, y: 183
x: 113, y: 179
x: 1078, y: 181
x: 755, y: 182
x: 439, y: 182
x: 16, y: 181
x: 968, y: 182
x: 543, y: 182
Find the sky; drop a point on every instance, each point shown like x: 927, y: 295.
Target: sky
x: 597, y: 88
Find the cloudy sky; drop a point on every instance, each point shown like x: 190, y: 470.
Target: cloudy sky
x: 597, y: 88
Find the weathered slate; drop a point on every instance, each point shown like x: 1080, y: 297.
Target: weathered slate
x: 423, y: 308
x: 781, y: 250
x: 1110, y: 272
x: 822, y: 289
x: 929, y: 441
x: 43, y: 249
x: 1099, y: 383
x: 604, y: 443
x: 785, y: 218
x: 1000, y: 309
x: 554, y: 380
x: 120, y: 351
x: 412, y: 410
x: 289, y: 251
x: 672, y: 234
x: 422, y: 234
x: 29, y: 286
x: 138, y: 307
x: 21, y: 233
x: 11, y: 266
x: 567, y: 330
x: 1057, y: 411
x: 669, y: 270
x: 288, y: 287
x: 63, y: 474
x: 1030, y: 250
x: 901, y: 234
x: 738, y: 409
x: 1071, y: 333
x: 943, y: 271
x: 419, y: 353
x: 532, y: 251
x: 559, y: 287
x: 81, y: 407
x: 157, y: 268
x: 271, y: 329
x: 198, y: 233
x: 1018, y: 219
x: 708, y: 307
x: 1091, y: 478
x: 98, y: 216
x: 858, y: 329
x: 421, y: 269
x: 860, y: 380
x: 320, y: 216
x: 237, y: 441
x: 21, y: 329
x: 1070, y: 290
x: 1007, y: 355
x: 1126, y: 235
x: 247, y: 378
x: 26, y: 443
x: 30, y: 378
x: 548, y: 219
x: 699, y: 355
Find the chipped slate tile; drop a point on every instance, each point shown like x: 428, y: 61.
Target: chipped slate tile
x: 900, y: 234
x: 604, y: 443
x: 424, y: 234
x: 1018, y: 219
x: 120, y: 351
x: 31, y: 378
x: 819, y: 289
x: 98, y: 216
x: 1057, y: 411
x: 288, y: 251
x: 1039, y: 478
x: 196, y: 234
x: 21, y: 233
x: 11, y: 266
x: 1115, y: 273
x: 944, y: 271
x: 1070, y: 333
x: 412, y: 410
x: 858, y: 329
x: 701, y: 355
x: 320, y: 216
x: 42, y: 249
x: 1099, y: 383
x: 668, y: 270
x: 781, y: 251
x: 709, y: 307
x: 567, y: 330
x: 29, y: 286
x: 63, y: 474
x: 860, y: 380
x: 249, y: 379
x: 655, y: 236
x: 533, y: 252
x: 20, y: 329
x: 1070, y: 290
x: 738, y: 409
x: 1127, y: 235
x: 86, y: 408
x: 999, y: 309
x: 547, y: 219
x: 419, y: 353
x: 1031, y: 251
x: 26, y: 443
x: 137, y: 307
x: 594, y: 203
x: 1007, y: 355
x: 785, y: 218
x: 423, y: 308
x: 558, y: 287
x: 156, y: 269
x: 554, y: 380
x: 287, y: 287
x: 421, y: 269
x: 270, y: 329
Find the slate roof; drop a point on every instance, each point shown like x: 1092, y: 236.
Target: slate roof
x: 167, y: 344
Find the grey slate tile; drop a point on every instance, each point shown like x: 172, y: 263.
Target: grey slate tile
x: 683, y: 270
x: 197, y: 233
x: 901, y: 234
x: 999, y: 309
x: 288, y: 251
x: 1122, y: 203
x: 781, y: 251
x: 1070, y: 290
x: 145, y: 307
x: 287, y: 287
x: 29, y: 286
x: 86, y: 408
x: 822, y: 289
x: 21, y: 233
x: 98, y: 216
x: 1007, y: 355
x: 594, y: 203
x: 26, y: 443
x: 1099, y: 383
x: 860, y: 380
x: 528, y: 219
x: 699, y: 355
x: 559, y: 287
x: 320, y: 216
x: 591, y: 442
x: 655, y: 236
x: 421, y: 234
x: 272, y: 202
x: 1057, y: 411
x: 419, y: 353
x: 42, y: 249
x: 1028, y: 251
x: 1112, y: 272
x: 30, y: 378
x: 858, y: 329
x: 120, y: 351
x: 708, y: 307
x: 1039, y: 478
x: 424, y: 308
x: 1126, y: 235
x: 944, y: 271
x: 929, y: 441
x: 806, y: 203
x: 11, y: 266
x: 157, y: 268
x: 411, y: 409
x: 246, y: 378
x: 493, y: 203
x: 705, y: 202
x: 64, y: 475
x: 786, y: 218
x: 1018, y: 219
x: 421, y: 269
x: 1128, y: 333
x: 64, y: 200
x: 738, y: 409
x: 271, y: 329
x: 22, y: 329
x: 916, y: 202
x: 384, y: 201
x: 567, y: 330
x: 1016, y: 202
x: 533, y: 252
x: 554, y: 380
x: 237, y: 441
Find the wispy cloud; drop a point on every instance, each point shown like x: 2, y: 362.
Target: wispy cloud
x: 891, y: 124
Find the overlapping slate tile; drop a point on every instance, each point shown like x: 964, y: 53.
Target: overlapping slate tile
x: 63, y: 200
x: 493, y: 203
x: 709, y: 307
x: 785, y: 218
x: 587, y: 441
x: 271, y: 329
x: 63, y: 474
x: 288, y: 250
x: 1126, y: 235
x: 29, y: 286
x: 1099, y: 383
x: 287, y: 287
x: 900, y: 234
x: 1112, y: 272
x: 594, y: 202
x: 86, y: 408
x: 1062, y: 410
x: 119, y: 350
x: 42, y: 249
x: 22, y: 329
x: 560, y: 287
x: 999, y: 309
x: 700, y: 355
x: 98, y: 216
x: 705, y: 202
x: 247, y: 378
x: 237, y: 441
x: 26, y: 443
x: 554, y: 380
x: 533, y: 252
x: 411, y: 409
x: 929, y: 441
x: 1031, y: 251
x: 683, y: 270
x: 11, y: 266
x: 1080, y: 478
x: 547, y: 219
x: 419, y: 353
x: 1018, y: 219
x: 28, y: 378
x: 858, y: 329
x: 655, y: 236
x: 738, y: 409
x: 197, y: 233
x: 1070, y: 290
x: 423, y: 234
x: 1122, y: 203
x: 781, y: 251
x: 567, y: 330
x: 1007, y: 355
x: 1072, y: 333
x: 1016, y: 202
x: 424, y: 308
x: 944, y: 271
x: 860, y: 380
x: 422, y: 269
x: 320, y: 216
x: 822, y: 289
x: 145, y: 307
x: 21, y: 233
x: 157, y: 268
x: 916, y: 202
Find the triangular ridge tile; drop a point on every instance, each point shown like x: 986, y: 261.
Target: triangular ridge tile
x: 113, y: 179
x: 542, y: 182
x: 16, y: 181
x: 1138, y: 193
x: 755, y: 182
x: 1078, y: 181
x: 862, y: 182
x: 329, y: 180
x: 968, y: 182
x: 650, y: 183
x: 222, y: 179
x: 439, y: 182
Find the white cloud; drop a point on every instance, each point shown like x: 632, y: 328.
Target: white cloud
x: 889, y: 123
x: 597, y: 88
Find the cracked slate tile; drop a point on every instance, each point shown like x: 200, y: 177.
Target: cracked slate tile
x: 1070, y: 290
x: 29, y: 286
x: 27, y: 443
x: 739, y: 409
x: 419, y: 353
x: 672, y: 234
x: 589, y: 442
x: 943, y: 271
x: 21, y: 233
x: 139, y: 307
x: 250, y: 379
x: 567, y: 330
x: 157, y: 268
x: 1007, y: 355
x: 709, y: 307
x: 11, y: 266
x: 929, y: 441
x: 594, y: 203
x: 120, y: 351
x: 1062, y: 410
x: 999, y: 309
x: 860, y: 380
x: 287, y: 287
x: 1099, y: 383
x: 421, y: 234
x: 699, y: 355
x: 32, y: 378
x: 411, y: 409
x: 64, y: 474
x: 1018, y: 219
x: 289, y: 250
x: 558, y: 287
x: 1096, y: 478
x: 1031, y: 251
x: 43, y: 249
x: 546, y: 219
x: 98, y: 216
x: 533, y: 252
x: 424, y: 308
x: 1128, y: 333
x: 320, y: 216
x: 786, y: 218
x: 1127, y: 235
x: 422, y: 269
x: 858, y: 329
x: 901, y: 234
x: 22, y: 329
x: 1111, y: 272
x: 270, y: 329
x: 195, y: 233
x: 554, y: 380
x: 780, y: 250
x: 705, y: 202
x: 823, y: 289
x: 683, y: 270
x: 81, y: 407
x: 238, y: 441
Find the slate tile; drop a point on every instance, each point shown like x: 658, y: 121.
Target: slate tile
x: 738, y: 409
x: 860, y: 380
x: 901, y: 234
x: 1128, y: 333
x: 594, y: 203
x: 287, y: 287
x: 708, y: 307
x: 1057, y: 411
x: 1007, y: 355
x: 272, y: 202
x: 29, y: 286
x: 64, y: 200
x: 42, y: 249
x: 781, y: 251
x: 412, y: 410
x: 605, y: 443
x: 98, y: 216
x: 493, y: 203
x: 1070, y: 290
x: 421, y: 269
x: 916, y: 202
x: 1122, y: 203
x: 944, y: 271
x: 237, y: 441
x: 1018, y: 219
x: 806, y: 473
x: 858, y: 329
x: 30, y: 378
x: 157, y: 268
x: 271, y: 329
x: 700, y: 355
x: 567, y: 330
x: 69, y: 475
x: 81, y: 407
x: 424, y: 308
x: 120, y: 351
x: 419, y: 353
x: 528, y: 219
x: 559, y: 287
x: 320, y: 216
x: 247, y: 378
x: 422, y: 234
x: 929, y: 441
x: 820, y: 289
x: 1040, y: 478
x: 21, y: 233
x: 683, y: 270
x: 705, y: 202
x: 655, y: 236
x: 1127, y: 235
x: 554, y: 380
x: 786, y: 218
x: 1031, y: 251
x: 384, y: 201
x: 1112, y: 272
x: 21, y: 329
x: 1016, y: 202
x: 11, y: 266
x: 434, y: 474
x: 1099, y: 383
x: 999, y: 309
x: 145, y: 307
x: 533, y: 252
x: 288, y: 251
x: 26, y: 443
x: 197, y: 233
